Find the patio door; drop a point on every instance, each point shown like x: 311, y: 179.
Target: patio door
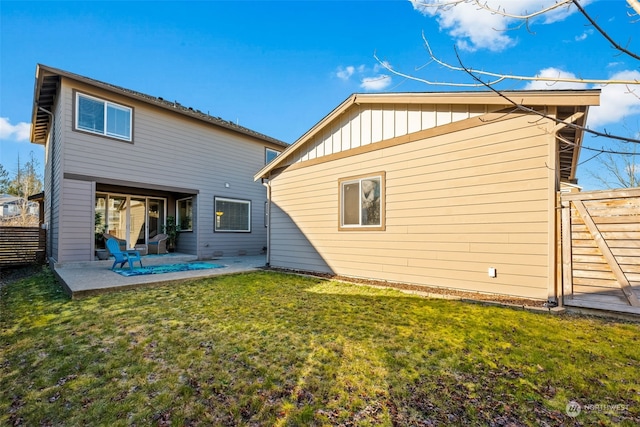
x: 137, y: 221
x: 132, y: 218
x: 117, y: 217
x: 155, y: 216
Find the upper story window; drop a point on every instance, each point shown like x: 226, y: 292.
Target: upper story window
x: 103, y: 117
x: 269, y: 155
x: 362, y: 202
x: 184, y: 214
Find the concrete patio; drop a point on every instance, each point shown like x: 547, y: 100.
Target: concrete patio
x: 82, y: 279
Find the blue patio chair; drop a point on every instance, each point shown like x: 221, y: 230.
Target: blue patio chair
x: 122, y: 257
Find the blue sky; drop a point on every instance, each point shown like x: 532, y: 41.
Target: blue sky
x: 278, y: 67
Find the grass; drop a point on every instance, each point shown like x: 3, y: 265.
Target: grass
x: 273, y: 349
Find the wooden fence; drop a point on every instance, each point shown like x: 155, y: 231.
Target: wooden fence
x: 21, y: 245
x: 601, y: 250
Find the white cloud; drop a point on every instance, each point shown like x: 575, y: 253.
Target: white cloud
x: 584, y: 35
x: 370, y: 78
x: 379, y: 82
x: 17, y: 132
x: 384, y: 66
x: 345, y: 73
x: 554, y: 73
x: 616, y: 103
x: 480, y: 29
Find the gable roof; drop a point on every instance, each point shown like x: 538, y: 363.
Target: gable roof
x: 48, y: 82
x: 572, y: 106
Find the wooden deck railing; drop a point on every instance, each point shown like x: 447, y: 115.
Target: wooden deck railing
x: 21, y: 245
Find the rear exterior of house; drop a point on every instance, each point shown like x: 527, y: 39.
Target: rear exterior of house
x: 122, y: 162
x: 451, y: 190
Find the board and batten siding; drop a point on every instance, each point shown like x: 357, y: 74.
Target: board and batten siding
x: 368, y: 124
x: 171, y: 150
x: 456, y: 204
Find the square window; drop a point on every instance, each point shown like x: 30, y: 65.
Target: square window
x: 118, y: 121
x: 90, y: 115
x: 362, y: 203
x: 232, y: 215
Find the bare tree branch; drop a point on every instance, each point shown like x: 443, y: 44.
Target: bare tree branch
x: 624, y: 170
x: 499, y: 77
x: 603, y: 33
x: 538, y: 113
x: 619, y: 163
x: 446, y: 5
x: 635, y: 5
x: 483, y: 5
x: 430, y: 82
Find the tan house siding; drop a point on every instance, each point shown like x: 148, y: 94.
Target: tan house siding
x: 366, y: 124
x: 457, y: 203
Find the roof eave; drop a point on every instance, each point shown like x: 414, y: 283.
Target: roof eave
x: 157, y: 102
x: 530, y: 98
x: 264, y: 172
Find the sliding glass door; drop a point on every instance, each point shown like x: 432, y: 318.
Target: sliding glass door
x: 132, y: 218
x: 155, y: 216
x: 117, y: 217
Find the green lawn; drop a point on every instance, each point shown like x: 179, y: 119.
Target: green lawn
x: 273, y: 349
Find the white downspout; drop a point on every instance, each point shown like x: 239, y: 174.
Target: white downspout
x: 267, y: 184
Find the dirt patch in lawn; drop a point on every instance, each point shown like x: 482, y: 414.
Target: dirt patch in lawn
x: 12, y: 274
x: 428, y: 291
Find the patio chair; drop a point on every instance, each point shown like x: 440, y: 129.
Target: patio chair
x: 122, y: 257
x: 158, y: 244
x: 122, y: 244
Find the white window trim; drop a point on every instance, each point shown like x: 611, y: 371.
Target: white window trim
x: 226, y: 199
x: 106, y: 104
x: 359, y: 227
x: 266, y: 152
x: 178, y: 219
